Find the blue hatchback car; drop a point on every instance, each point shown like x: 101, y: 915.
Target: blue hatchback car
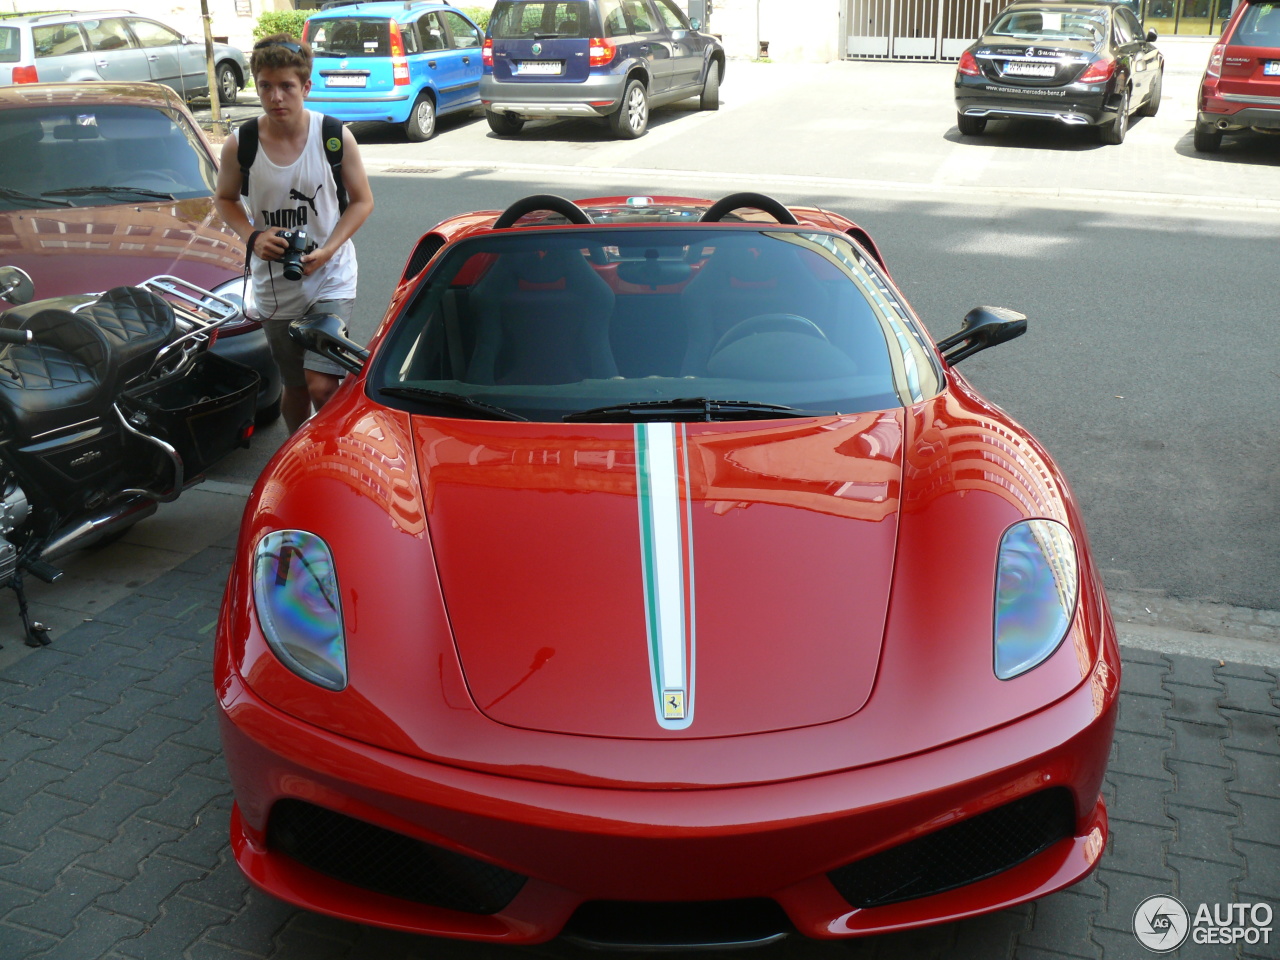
x: 405, y: 63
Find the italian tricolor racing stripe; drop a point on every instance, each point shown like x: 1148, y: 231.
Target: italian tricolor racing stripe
x: 662, y: 472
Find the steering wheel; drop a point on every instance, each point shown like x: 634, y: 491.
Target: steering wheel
x: 769, y: 323
x: 758, y: 201
x: 542, y: 201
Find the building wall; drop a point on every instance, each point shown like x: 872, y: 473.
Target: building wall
x: 796, y: 30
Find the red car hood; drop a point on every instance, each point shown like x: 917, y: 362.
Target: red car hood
x: 665, y: 580
x: 87, y: 249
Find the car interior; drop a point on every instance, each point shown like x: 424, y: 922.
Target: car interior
x: 741, y: 310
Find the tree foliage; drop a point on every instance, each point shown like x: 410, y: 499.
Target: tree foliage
x: 280, y: 21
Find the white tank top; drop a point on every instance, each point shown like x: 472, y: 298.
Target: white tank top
x: 304, y: 195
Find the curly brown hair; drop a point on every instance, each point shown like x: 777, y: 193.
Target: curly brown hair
x: 280, y: 51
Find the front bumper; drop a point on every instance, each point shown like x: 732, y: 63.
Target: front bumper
x: 578, y: 844
x: 1075, y: 104
x: 596, y: 96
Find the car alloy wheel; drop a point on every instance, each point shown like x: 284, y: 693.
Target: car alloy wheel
x: 421, y: 124
x: 632, y: 118
x: 228, y: 84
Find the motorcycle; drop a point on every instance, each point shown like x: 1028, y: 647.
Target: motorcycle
x: 110, y: 404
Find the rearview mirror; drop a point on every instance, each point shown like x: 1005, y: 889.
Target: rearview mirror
x: 325, y: 333
x: 16, y: 286
x: 982, y: 327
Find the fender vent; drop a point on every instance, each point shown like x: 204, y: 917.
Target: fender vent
x: 384, y: 861
x: 965, y: 852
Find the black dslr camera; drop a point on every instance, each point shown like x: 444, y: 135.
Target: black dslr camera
x: 292, y: 257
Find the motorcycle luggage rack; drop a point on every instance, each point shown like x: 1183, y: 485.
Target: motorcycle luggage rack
x: 199, y: 313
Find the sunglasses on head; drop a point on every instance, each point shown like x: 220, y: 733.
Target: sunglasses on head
x: 287, y: 44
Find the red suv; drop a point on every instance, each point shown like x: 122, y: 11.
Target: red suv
x: 1241, y: 85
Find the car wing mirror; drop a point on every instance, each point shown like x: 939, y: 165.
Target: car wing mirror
x: 695, y: 23
x: 16, y: 285
x: 1151, y: 36
x: 325, y: 334
x: 982, y: 327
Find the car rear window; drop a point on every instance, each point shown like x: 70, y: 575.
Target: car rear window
x: 1052, y: 24
x: 10, y: 44
x: 545, y: 323
x: 1258, y: 27
x: 350, y: 37
x: 540, y: 20
x: 47, y: 149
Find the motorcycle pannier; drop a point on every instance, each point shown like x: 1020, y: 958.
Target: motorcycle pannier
x: 204, y: 414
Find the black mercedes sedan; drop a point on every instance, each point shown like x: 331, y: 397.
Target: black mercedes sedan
x: 1086, y: 64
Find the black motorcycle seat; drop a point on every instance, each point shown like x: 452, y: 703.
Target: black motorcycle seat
x: 62, y: 377
x: 137, y: 322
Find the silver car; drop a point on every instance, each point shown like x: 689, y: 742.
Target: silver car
x: 115, y: 45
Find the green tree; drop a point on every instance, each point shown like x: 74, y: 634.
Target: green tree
x: 280, y: 21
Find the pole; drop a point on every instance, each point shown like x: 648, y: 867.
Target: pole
x: 215, y: 103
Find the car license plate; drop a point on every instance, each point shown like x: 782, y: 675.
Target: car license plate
x: 543, y: 68
x: 1271, y: 68
x: 1020, y: 68
x: 344, y: 80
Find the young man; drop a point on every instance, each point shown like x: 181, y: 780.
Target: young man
x: 291, y: 186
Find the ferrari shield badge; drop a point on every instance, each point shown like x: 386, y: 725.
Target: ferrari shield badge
x: 672, y: 704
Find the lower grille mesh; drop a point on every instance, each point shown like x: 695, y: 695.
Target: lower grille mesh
x: 965, y: 852
x: 384, y: 861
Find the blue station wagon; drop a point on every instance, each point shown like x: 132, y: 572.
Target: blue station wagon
x: 404, y: 63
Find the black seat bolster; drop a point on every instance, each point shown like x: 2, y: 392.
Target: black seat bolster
x: 137, y: 322
x: 64, y: 376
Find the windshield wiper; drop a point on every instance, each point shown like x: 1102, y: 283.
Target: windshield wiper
x: 548, y: 36
x: 455, y: 400
x: 690, y: 408
x: 8, y: 193
x: 86, y: 191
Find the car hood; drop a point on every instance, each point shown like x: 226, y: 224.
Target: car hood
x: 665, y: 580
x: 88, y: 249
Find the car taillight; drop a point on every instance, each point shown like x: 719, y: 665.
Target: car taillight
x: 1099, y: 71
x: 968, y: 65
x: 399, y: 65
x: 1214, y: 69
x: 25, y: 74
x: 602, y: 51
x: 486, y: 52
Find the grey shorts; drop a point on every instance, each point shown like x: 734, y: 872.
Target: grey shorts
x: 291, y: 357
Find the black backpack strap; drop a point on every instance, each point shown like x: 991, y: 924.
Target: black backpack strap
x: 246, y: 151
x: 331, y: 134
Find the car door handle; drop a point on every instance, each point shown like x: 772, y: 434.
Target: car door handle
x: 466, y: 59
x: 431, y: 64
x: 153, y: 57
x: 101, y: 63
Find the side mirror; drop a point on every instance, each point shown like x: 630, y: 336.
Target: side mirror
x: 982, y: 327
x: 1151, y: 36
x: 16, y: 286
x: 695, y: 23
x: 325, y: 333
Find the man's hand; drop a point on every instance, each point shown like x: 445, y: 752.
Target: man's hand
x: 313, y: 261
x: 267, y: 245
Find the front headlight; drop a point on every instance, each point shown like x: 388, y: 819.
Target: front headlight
x: 1036, y: 581
x: 295, y: 591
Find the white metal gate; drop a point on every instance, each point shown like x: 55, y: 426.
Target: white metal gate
x: 915, y: 29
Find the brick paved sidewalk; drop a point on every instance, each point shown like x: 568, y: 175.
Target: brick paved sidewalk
x: 114, y: 808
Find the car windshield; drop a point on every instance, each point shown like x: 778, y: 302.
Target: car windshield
x: 1259, y: 26
x: 540, y: 20
x: 350, y: 37
x: 1052, y: 25
x: 58, y: 150
x: 548, y: 324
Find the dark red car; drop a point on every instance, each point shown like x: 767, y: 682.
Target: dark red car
x: 106, y: 184
x: 656, y: 579
x: 1241, y: 86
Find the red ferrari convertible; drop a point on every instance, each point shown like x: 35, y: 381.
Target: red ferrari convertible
x: 656, y: 580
